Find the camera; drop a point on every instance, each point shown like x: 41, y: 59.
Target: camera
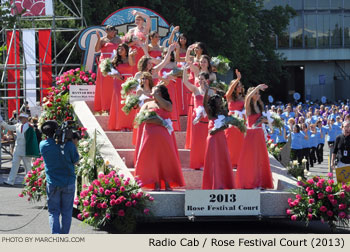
x: 65, y: 132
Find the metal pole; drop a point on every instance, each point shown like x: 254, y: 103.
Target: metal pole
x: 7, y: 58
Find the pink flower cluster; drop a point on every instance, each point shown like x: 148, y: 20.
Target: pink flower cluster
x: 320, y: 198
x: 76, y: 77
x: 111, y: 196
x: 35, y: 181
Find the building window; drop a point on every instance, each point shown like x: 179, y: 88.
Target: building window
x: 296, y: 4
x: 310, y: 25
x: 283, y: 40
x: 347, y: 29
x: 296, y: 32
x: 347, y: 4
x: 310, y: 4
x: 323, y: 29
x: 323, y: 5
x: 337, y: 4
x: 336, y: 28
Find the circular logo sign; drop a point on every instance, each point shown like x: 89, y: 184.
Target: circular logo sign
x: 296, y: 96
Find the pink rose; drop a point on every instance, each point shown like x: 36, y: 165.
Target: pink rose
x: 309, y: 216
x: 100, y: 175
x: 320, y: 196
x: 150, y: 198
x: 112, y: 202
x: 323, y: 209
x: 107, y: 192
x: 128, y: 204
x: 298, y: 196
x: 108, y: 216
x: 333, y: 202
x: 76, y: 202
x: 311, y: 192
x: 121, y: 213
x: 310, y: 181
x: 93, y: 75
x: 289, y: 211
x: 329, y: 189
x: 342, y: 215
x: 319, y: 184
x: 80, y: 217
x: 33, y: 189
x: 342, y: 195
x: 99, y: 205
x: 310, y: 210
x: 342, y: 206
x: 118, y: 201
x: 329, y: 213
x: 20, y: 195
x: 330, y: 196
x: 294, y: 217
x: 311, y: 201
x: 96, y: 215
x: 104, y: 205
x: 146, y: 211
x: 93, y: 204
x: 101, y: 190
x: 330, y: 181
x: 330, y: 175
x: 86, y: 215
x: 113, y: 196
x: 86, y: 203
x: 122, y: 188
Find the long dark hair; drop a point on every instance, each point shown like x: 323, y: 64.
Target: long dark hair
x: 234, y: 95
x: 203, y: 47
x: 164, y: 93
x: 142, y: 64
x: 182, y: 35
x: 210, y: 69
x: 118, y: 59
x: 259, y: 102
x: 213, y: 108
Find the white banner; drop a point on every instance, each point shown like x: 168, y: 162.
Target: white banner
x: 48, y: 8
x: 81, y: 93
x: 222, y: 202
x: 30, y: 72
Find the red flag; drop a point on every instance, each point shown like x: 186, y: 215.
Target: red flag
x: 45, y: 59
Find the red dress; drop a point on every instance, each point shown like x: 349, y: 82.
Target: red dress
x: 253, y: 170
x: 233, y: 135
x: 158, y: 159
x: 118, y: 120
x: 174, y: 115
x: 218, y: 173
x: 192, y: 80
x: 104, y: 85
x: 141, y: 36
x: 199, y: 137
x: 155, y: 54
x: 183, y: 93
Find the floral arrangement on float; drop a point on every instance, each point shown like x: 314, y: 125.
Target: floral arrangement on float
x: 320, y: 198
x: 113, y: 199
x: 56, y: 104
x: 274, y: 148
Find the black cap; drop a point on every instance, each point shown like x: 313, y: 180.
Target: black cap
x: 49, y: 127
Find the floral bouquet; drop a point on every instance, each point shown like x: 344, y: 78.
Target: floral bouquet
x: 129, y: 85
x: 321, y: 199
x: 223, y: 122
x: 114, y: 199
x: 35, y: 182
x: 219, y: 85
x: 277, y: 122
x: 131, y: 101
x: 274, y: 149
x: 295, y: 169
x: 143, y: 116
x: 220, y: 64
x: 106, y: 66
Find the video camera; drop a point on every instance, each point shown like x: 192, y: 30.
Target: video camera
x: 65, y: 132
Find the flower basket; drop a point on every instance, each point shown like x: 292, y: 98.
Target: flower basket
x: 112, y: 199
x: 322, y: 199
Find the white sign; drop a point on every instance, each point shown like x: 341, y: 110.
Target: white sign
x: 222, y: 202
x: 81, y: 93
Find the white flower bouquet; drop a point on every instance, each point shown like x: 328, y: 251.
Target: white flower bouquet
x: 220, y: 64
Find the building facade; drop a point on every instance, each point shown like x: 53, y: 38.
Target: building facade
x: 316, y: 45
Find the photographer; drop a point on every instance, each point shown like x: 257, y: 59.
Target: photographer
x: 341, y: 149
x: 60, y: 176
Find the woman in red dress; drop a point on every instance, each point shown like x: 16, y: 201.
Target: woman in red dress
x: 123, y: 62
x: 200, y: 122
x: 234, y: 137
x: 104, y: 85
x: 137, y: 36
x: 218, y: 173
x: 145, y: 90
x: 154, y: 49
x: 253, y: 170
x: 158, y: 160
x: 203, y: 66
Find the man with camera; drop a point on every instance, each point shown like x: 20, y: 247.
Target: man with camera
x: 26, y: 146
x: 341, y: 149
x: 59, y: 162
